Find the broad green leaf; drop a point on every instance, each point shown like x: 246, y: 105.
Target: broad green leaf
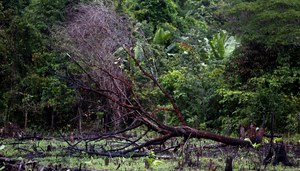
x: 157, y: 162
x: 161, y: 36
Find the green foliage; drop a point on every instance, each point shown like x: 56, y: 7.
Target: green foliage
x: 31, y: 86
x: 262, y: 96
x: 188, y: 92
x: 254, y: 145
x: 181, y: 55
x: 59, y: 156
x: 219, y: 78
x: 161, y: 36
x: 222, y: 45
x: 266, y: 21
x: 153, y: 11
x: 262, y: 74
x: 152, y: 161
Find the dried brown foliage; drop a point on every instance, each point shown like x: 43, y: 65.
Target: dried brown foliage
x: 90, y: 37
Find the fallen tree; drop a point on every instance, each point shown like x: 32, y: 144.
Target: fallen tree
x: 90, y: 39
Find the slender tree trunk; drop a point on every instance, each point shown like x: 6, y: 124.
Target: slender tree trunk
x: 272, y: 126
x: 79, y: 119
x: 26, y: 119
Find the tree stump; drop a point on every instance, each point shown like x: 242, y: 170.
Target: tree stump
x: 276, y: 154
x: 281, y: 156
x: 228, y: 166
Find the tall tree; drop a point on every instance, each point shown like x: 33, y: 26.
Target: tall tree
x: 33, y: 85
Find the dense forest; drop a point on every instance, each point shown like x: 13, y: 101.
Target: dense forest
x: 181, y: 69
x: 224, y: 63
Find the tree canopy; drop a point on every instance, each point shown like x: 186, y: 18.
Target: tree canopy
x: 269, y: 22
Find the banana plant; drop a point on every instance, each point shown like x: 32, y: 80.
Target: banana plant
x: 222, y: 45
x: 161, y: 36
